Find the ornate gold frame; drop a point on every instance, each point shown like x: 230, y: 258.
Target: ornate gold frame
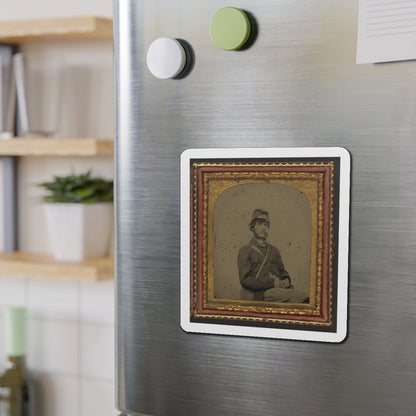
x: 317, y: 180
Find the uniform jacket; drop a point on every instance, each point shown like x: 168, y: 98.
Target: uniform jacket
x: 250, y: 259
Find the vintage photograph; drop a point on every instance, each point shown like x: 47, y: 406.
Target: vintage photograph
x: 262, y: 235
x: 263, y: 242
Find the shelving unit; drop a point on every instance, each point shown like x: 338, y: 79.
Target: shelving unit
x: 41, y: 265
x: 18, y: 146
x: 41, y: 30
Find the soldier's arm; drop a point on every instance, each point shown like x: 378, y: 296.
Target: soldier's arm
x: 280, y: 270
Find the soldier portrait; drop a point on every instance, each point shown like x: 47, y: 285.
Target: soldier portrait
x: 261, y: 249
x: 262, y: 254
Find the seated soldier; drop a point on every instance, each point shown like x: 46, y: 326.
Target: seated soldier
x: 260, y: 266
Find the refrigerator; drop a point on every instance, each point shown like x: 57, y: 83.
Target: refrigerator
x: 287, y: 97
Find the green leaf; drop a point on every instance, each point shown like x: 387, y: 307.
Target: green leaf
x: 79, y: 188
x: 55, y: 199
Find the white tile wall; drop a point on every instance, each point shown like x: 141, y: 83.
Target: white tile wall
x: 97, y: 352
x: 55, y: 346
x: 97, y: 302
x: 93, y: 389
x: 70, y: 343
x: 12, y: 292
x: 52, y: 298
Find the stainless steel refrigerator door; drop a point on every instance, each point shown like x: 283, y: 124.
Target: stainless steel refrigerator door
x: 298, y: 85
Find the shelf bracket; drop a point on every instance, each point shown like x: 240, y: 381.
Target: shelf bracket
x: 10, y: 203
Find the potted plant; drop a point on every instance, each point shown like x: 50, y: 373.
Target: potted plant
x: 79, y: 216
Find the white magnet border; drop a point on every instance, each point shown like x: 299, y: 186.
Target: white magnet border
x: 343, y: 242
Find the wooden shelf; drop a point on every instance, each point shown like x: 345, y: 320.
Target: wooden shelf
x: 39, y: 30
x: 44, y: 266
x: 53, y: 30
x: 18, y: 146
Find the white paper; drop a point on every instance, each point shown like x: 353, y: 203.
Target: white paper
x: 386, y: 31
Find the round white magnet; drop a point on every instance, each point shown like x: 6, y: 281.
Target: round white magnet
x: 166, y: 58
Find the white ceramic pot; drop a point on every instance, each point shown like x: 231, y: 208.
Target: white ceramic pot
x: 79, y: 231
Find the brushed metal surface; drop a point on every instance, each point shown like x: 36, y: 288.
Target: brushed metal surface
x: 298, y: 85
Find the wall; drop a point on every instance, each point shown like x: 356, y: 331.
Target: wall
x: 71, y: 335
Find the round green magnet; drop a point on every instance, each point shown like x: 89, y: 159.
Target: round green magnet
x: 230, y: 28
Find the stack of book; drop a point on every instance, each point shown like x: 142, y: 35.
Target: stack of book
x: 7, y: 92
